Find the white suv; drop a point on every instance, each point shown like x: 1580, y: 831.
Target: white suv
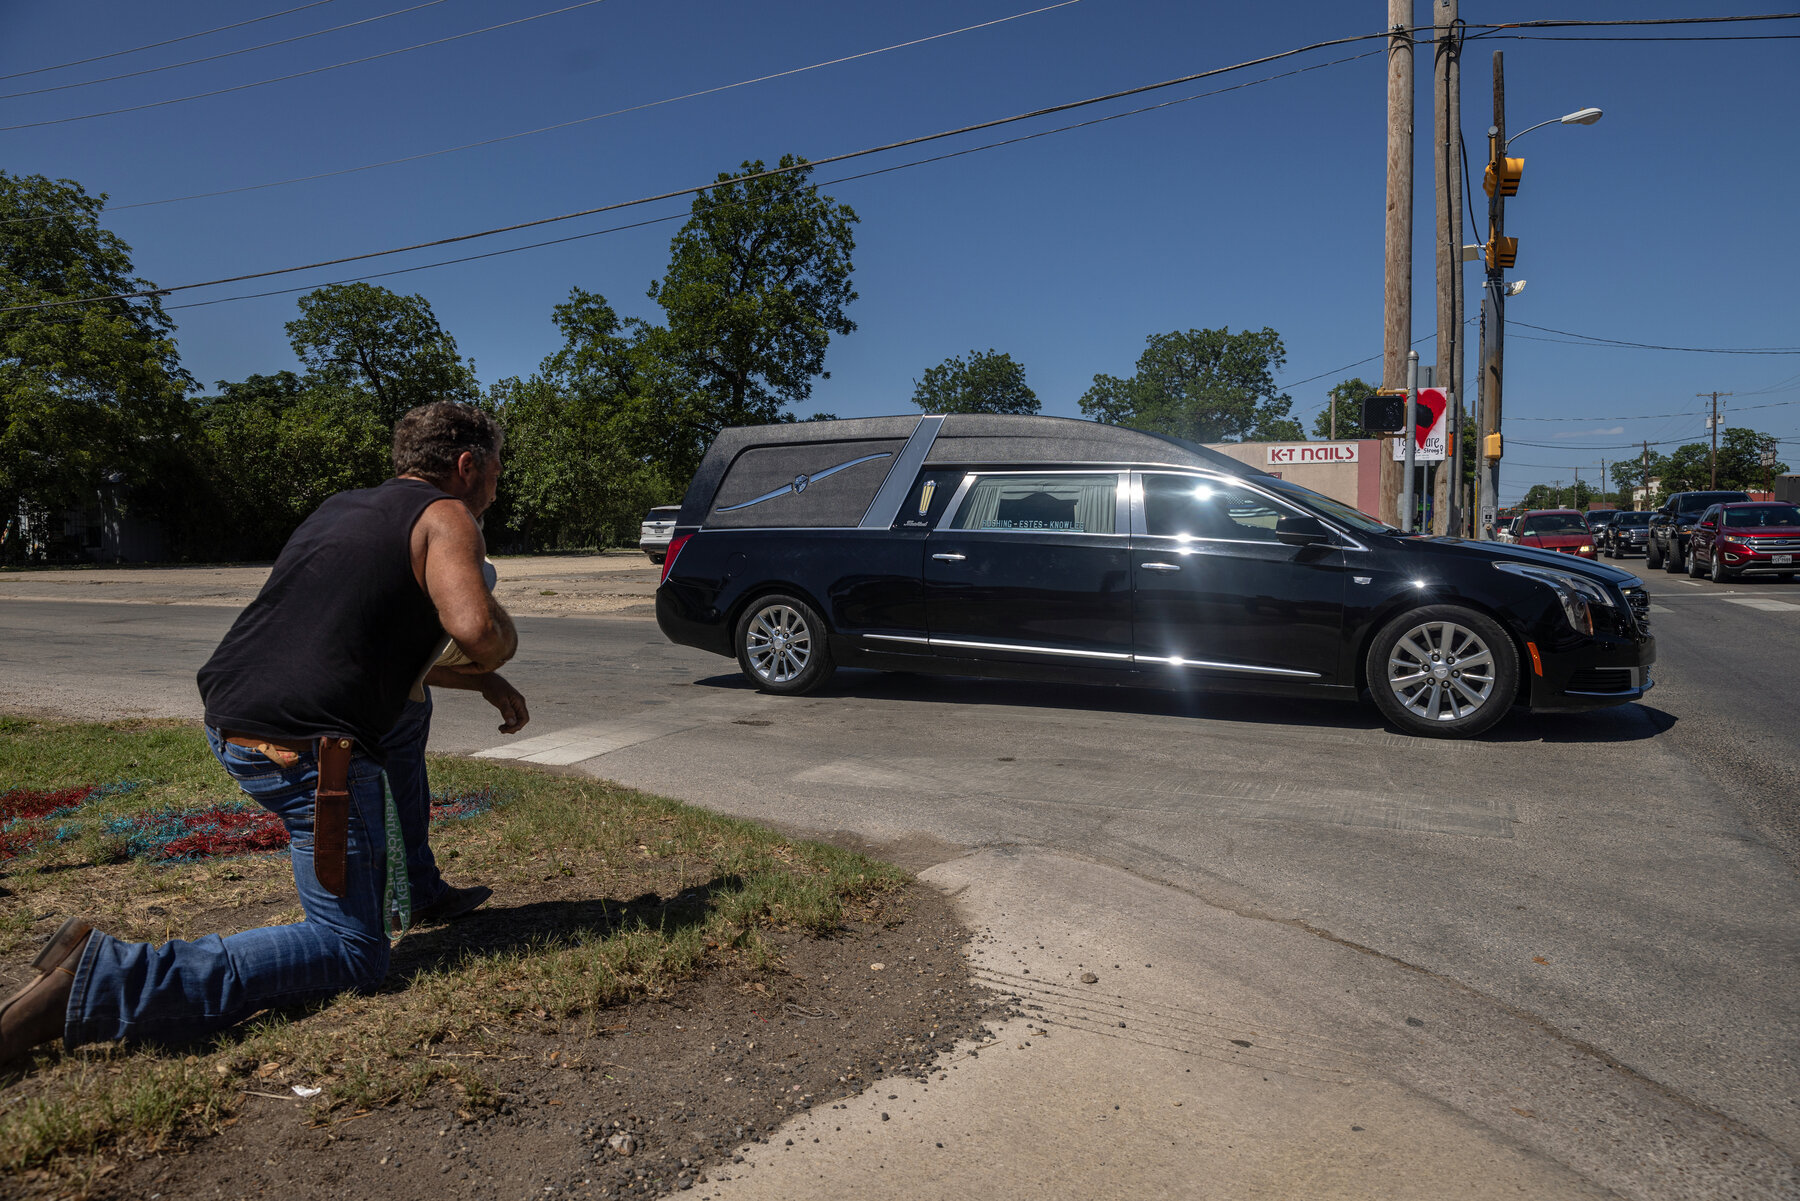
x: 658, y: 527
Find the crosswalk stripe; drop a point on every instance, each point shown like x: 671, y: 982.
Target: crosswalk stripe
x: 1767, y: 606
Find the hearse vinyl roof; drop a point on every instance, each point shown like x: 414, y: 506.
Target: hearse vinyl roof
x: 964, y: 438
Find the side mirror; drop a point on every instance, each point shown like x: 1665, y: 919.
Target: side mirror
x: 1301, y: 531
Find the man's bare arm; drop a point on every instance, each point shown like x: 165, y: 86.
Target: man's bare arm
x: 494, y: 689
x: 452, y: 550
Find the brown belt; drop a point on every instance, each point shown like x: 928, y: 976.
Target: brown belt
x: 331, y: 801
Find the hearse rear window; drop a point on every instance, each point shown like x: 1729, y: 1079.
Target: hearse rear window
x: 1055, y: 504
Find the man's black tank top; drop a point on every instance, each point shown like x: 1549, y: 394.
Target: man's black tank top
x: 339, y: 633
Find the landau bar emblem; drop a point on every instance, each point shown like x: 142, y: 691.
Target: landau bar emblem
x: 801, y: 482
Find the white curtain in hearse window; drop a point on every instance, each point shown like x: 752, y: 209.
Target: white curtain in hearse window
x: 1070, y: 504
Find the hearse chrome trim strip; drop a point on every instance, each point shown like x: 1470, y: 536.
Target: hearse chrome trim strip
x: 999, y: 646
x: 802, y: 481
x: 894, y: 489
x: 1115, y: 656
x: 1179, y: 661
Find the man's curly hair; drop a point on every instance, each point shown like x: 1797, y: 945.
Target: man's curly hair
x: 430, y: 438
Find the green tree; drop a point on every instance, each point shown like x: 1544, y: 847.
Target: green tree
x: 1205, y: 385
x: 1740, y: 459
x: 90, y: 394
x: 987, y: 382
x: 758, y: 282
x: 582, y: 434
x: 1684, y: 469
x: 1349, y: 395
x: 364, y: 340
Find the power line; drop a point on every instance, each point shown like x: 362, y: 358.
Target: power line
x: 186, y: 37
x: 1562, y: 24
x: 826, y: 183
x: 1774, y: 404
x: 584, y: 120
x: 698, y: 188
x: 1594, y: 338
x: 369, y: 58
x: 299, y: 37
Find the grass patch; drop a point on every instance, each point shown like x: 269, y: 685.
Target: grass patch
x: 602, y: 894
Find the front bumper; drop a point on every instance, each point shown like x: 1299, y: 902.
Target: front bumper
x: 1598, y: 673
x: 1757, y: 564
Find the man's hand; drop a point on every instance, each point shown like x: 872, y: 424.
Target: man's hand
x: 493, y: 688
x: 509, y: 700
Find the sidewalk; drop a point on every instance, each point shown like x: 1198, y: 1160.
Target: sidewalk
x: 1220, y: 1055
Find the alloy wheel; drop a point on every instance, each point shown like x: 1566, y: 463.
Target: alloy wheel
x: 778, y: 643
x: 1441, y: 671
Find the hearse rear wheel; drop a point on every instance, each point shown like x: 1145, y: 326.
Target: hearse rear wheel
x: 781, y: 646
x: 1443, y: 671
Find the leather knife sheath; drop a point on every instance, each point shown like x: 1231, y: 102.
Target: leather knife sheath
x: 331, y: 815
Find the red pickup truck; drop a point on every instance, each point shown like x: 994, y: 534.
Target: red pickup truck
x: 1563, y: 530
x: 1745, y: 538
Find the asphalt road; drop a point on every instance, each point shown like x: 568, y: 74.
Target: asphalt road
x: 1620, y: 884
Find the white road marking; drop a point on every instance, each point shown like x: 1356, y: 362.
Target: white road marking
x: 1767, y: 606
x: 1691, y: 583
x: 563, y: 747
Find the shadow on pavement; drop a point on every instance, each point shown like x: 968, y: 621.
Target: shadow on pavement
x: 1625, y: 723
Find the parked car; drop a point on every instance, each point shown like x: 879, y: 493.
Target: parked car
x: 1667, y: 543
x: 1597, y: 521
x: 1561, y: 530
x: 1508, y: 530
x: 1754, y: 538
x: 1049, y: 549
x: 655, y: 532
x: 1626, y: 534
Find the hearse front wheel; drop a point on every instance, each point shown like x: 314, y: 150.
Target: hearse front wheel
x: 781, y: 645
x: 1443, y: 671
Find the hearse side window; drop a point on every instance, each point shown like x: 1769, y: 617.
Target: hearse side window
x: 1049, y: 504
x: 1184, y: 506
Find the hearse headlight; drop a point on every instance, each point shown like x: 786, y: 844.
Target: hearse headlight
x: 1577, y: 593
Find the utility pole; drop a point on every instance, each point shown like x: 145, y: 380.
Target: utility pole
x: 1396, y: 323
x: 1408, y: 501
x: 1712, y: 423
x: 1493, y: 302
x: 1646, y: 480
x: 1333, y: 396
x: 1603, y: 499
x: 1575, y: 492
x: 1446, y: 112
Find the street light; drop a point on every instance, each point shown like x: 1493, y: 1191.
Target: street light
x: 1581, y: 116
x: 1502, y: 180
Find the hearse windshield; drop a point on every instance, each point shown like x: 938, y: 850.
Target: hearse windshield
x: 1337, y: 510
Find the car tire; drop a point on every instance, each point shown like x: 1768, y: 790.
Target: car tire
x: 781, y: 645
x: 1693, y: 567
x: 1676, y: 562
x: 1404, y: 658
x: 1652, y: 559
x: 657, y: 559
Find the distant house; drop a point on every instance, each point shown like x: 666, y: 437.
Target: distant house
x: 1640, y: 496
x: 100, y: 531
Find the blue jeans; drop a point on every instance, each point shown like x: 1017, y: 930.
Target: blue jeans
x: 184, y: 990
x: 405, y: 749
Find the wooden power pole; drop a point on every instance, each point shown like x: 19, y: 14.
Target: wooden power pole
x: 1712, y: 423
x: 1396, y: 324
x: 1493, y: 308
x: 1446, y: 112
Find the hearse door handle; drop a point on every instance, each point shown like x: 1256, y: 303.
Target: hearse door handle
x: 950, y: 558
x: 1160, y: 566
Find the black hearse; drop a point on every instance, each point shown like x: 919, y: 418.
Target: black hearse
x: 1047, y: 548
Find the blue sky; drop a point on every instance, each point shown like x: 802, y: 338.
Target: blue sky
x: 1668, y: 222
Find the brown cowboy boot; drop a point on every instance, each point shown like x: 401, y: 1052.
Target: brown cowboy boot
x: 37, y: 1013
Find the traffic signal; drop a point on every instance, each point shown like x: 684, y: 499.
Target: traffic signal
x: 1500, y: 253
x: 1491, y: 447
x: 1385, y: 412
x: 1503, y: 173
